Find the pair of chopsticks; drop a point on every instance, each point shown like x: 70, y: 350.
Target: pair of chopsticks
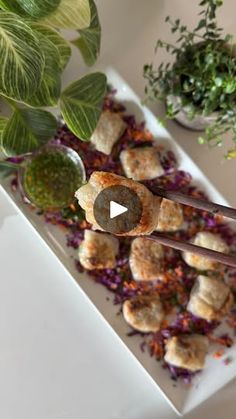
x: 201, y: 204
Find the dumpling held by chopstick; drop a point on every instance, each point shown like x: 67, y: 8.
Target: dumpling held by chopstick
x: 99, y: 181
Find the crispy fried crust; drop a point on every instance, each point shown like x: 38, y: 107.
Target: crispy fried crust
x: 210, y: 299
x: 141, y: 163
x: 209, y: 241
x: 187, y: 351
x: 170, y: 216
x: 109, y: 129
x: 144, y: 313
x: 98, y: 250
x: 98, y: 181
x: 145, y: 259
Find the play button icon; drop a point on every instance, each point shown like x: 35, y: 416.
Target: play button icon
x: 117, y: 209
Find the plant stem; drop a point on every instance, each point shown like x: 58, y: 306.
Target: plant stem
x: 188, y: 31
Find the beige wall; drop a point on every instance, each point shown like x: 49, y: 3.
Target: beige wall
x: 130, y: 29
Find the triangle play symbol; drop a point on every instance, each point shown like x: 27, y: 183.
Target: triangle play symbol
x: 116, y: 209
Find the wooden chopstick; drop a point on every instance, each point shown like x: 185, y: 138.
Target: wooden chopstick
x: 189, y: 247
x: 201, y: 204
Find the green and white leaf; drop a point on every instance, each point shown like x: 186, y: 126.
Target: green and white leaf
x: 55, y: 37
x: 7, y: 168
x: 34, y: 8
x: 3, y: 122
x: 71, y: 14
x: 89, y: 41
x: 27, y: 130
x: 21, y: 58
x: 49, y: 90
x: 81, y: 104
x: 12, y: 6
x: 39, y: 8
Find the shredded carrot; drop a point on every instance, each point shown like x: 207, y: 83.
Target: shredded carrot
x: 219, y: 353
x: 165, y: 324
x: 72, y: 207
x: 84, y: 224
x: 222, y: 340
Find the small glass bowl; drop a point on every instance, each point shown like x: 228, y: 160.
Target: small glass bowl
x: 48, y: 189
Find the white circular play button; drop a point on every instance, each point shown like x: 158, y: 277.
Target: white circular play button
x: 116, y: 209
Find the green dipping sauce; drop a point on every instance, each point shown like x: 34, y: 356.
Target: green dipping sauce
x: 51, y: 178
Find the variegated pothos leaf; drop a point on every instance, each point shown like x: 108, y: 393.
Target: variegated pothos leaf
x: 34, y: 8
x: 27, y: 130
x: 58, y: 41
x: 81, y: 104
x: 49, y: 90
x: 90, y: 38
x: 21, y: 59
x: 71, y: 14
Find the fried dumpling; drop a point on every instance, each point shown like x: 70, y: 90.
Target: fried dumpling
x: 210, y: 299
x: 98, y: 250
x: 144, y: 313
x: 170, y: 216
x: 145, y: 260
x: 109, y: 129
x: 210, y: 241
x: 187, y: 351
x: 141, y: 163
x: 99, y: 181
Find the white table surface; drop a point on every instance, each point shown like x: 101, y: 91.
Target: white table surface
x: 53, y: 362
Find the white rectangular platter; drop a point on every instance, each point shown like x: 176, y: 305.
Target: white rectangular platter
x: 216, y: 375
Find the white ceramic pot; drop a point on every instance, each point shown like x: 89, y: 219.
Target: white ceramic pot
x: 198, y: 123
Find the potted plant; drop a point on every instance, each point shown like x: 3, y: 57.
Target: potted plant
x: 199, y: 87
x: 33, y: 56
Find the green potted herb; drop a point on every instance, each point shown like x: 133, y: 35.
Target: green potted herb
x: 33, y: 56
x: 199, y: 88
